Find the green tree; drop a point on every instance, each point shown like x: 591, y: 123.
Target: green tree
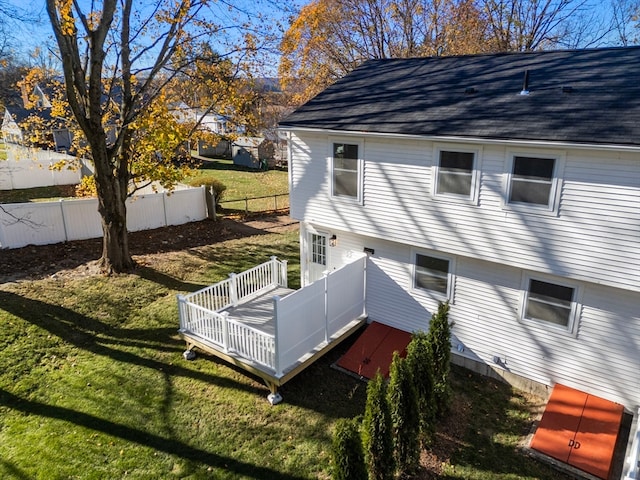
x: 347, y: 453
x: 405, y: 418
x: 377, y: 434
x: 439, y: 341
x: 421, y: 366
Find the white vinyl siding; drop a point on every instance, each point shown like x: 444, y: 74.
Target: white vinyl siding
x: 601, y: 356
x: 593, y: 236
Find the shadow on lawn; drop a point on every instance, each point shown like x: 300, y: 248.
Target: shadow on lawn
x: 167, y: 445
x: 95, y: 336
x: 497, y: 417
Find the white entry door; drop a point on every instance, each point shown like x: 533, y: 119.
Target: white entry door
x: 316, y: 256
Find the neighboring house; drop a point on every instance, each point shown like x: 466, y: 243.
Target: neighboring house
x: 19, y: 108
x: 507, y: 185
x: 253, y: 152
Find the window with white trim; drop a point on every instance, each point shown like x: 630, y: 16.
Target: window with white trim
x: 319, y: 249
x: 346, y: 171
x: 432, y: 274
x: 532, y: 181
x: 455, y: 173
x: 549, y: 302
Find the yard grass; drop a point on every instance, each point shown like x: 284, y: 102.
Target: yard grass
x: 37, y: 194
x: 93, y: 385
x: 243, y: 183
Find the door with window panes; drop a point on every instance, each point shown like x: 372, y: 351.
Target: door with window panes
x: 317, y: 256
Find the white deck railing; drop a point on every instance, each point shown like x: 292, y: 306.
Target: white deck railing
x: 241, y: 287
x: 201, y: 312
x: 304, y: 320
x: 632, y: 463
x: 314, y: 315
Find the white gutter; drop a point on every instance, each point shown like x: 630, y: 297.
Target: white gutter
x: 470, y: 140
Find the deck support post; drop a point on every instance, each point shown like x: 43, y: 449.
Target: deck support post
x: 274, y: 271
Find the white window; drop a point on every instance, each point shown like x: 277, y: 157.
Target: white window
x: 533, y: 182
x: 319, y: 249
x: 346, y: 171
x: 456, y: 172
x: 549, y: 302
x: 432, y: 274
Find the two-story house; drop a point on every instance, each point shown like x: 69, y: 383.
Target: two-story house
x: 505, y: 184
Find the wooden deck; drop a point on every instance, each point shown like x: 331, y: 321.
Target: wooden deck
x: 259, y: 314
x: 255, y: 322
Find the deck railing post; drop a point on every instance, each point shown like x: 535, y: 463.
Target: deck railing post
x: 274, y: 271
x: 276, y: 342
x: 364, y: 285
x: 181, y: 315
x: 233, y: 290
x: 326, y: 307
x: 225, y: 331
x: 284, y: 274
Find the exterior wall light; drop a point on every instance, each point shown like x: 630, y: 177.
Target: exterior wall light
x: 333, y: 241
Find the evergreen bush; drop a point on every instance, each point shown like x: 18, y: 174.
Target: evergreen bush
x: 439, y: 340
x: 405, y: 418
x: 421, y: 365
x: 347, y: 452
x: 376, y: 431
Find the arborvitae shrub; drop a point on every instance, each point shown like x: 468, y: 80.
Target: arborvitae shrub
x: 439, y: 339
x: 376, y: 431
x: 347, y: 452
x: 405, y: 419
x: 421, y: 365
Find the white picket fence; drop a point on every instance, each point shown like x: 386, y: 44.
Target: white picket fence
x: 28, y: 168
x: 44, y: 223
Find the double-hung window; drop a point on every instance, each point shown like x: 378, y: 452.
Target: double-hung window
x: 533, y: 182
x: 455, y: 173
x: 346, y: 171
x: 432, y: 274
x: 549, y: 302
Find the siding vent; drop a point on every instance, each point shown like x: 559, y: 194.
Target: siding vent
x: 525, y: 84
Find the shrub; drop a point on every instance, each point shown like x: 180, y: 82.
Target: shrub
x: 217, y: 189
x: 376, y: 431
x: 439, y: 340
x: 348, y: 456
x: 87, y: 187
x: 405, y: 418
x: 421, y: 365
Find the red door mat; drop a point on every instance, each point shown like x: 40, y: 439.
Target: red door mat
x: 580, y: 430
x: 374, y: 349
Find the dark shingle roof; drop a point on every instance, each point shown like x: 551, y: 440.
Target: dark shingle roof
x: 429, y: 96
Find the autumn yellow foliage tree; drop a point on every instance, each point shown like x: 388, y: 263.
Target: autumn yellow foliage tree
x: 119, y: 58
x: 329, y: 38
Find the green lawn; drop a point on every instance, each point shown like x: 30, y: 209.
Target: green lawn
x: 244, y: 183
x: 93, y: 385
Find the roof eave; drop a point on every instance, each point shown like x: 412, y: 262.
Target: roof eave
x: 472, y: 140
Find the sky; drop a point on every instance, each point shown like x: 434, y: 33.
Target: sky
x: 263, y: 13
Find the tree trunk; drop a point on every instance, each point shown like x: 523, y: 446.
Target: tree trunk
x: 115, y: 240
x: 112, y: 196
